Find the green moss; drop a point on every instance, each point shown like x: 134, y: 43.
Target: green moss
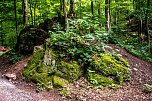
x: 42, y: 79
x: 98, y: 79
x: 59, y: 73
x: 57, y: 82
x: 107, y: 65
x: 54, y: 55
x: 36, y: 70
x: 48, y: 43
x: 71, y: 71
x: 36, y: 57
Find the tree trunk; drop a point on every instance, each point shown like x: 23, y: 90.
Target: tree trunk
x: 99, y: 10
x: 2, y: 34
x: 15, y: 17
x: 107, y: 15
x: 61, y: 7
x: 140, y: 31
x: 99, y: 14
x: 139, y: 24
x: 146, y: 22
x: 25, y: 14
x: 80, y: 9
x: 31, y: 13
x: 116, y: 13
x: 92, y: 8
x: 34, y: 13
x: 71, y: 10
x: 65, y: 16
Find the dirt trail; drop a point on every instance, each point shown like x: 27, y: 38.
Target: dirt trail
x: 19, y: 90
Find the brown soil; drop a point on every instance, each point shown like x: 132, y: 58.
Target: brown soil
x: 84, y: 91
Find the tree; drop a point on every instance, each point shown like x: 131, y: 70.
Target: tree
x: 71, y: 10
x: 80, y: 8
x: 146, y: 22
x: 25, y: 12
x: 61, y: 5
x: 31, y: 13
x: 15, y: 16
x: 65, y: 16
x: 107, y: 15
x: 92, y: 8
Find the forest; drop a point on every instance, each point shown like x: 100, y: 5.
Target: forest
x: 76, y: 50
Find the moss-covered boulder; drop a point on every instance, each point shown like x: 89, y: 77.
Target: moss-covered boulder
x: 107, y: 69
x: 36, y: 70
x: 71, y: 71
x: 47, y: 68
x: 42, y: 71
x: 97, y: 79
x: 57, y: 82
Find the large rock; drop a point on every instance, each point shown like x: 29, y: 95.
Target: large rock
x: 30, y: 37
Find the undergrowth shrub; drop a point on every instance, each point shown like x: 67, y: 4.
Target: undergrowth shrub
x: 130, y: 43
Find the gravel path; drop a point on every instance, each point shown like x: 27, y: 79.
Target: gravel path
x: 9, y: 92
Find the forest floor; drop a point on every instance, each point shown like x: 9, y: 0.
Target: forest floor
x: 20, y: 90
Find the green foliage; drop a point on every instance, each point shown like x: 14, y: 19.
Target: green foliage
x: 130, y: 43
x: 40, y: 86
x: 8, y: 35
x: 14, y: 56
x: 78, y: 44
x: 147, y: 88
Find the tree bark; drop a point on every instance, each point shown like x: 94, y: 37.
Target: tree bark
x: 2, y: 34
x: 147, y: 27
x: 92, y: 8
x: 31, y: 13
x: 99, y: 14
x: 80, y: 9
x: 140, y: 31
x: 25, y: 13
x: 16, y: 23
x: 71, y: 10
x: 65, y: 16
x: 107, y: 15
x: 61, y: 7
